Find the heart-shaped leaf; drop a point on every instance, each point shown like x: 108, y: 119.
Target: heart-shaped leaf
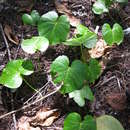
x: 79, y: 96
x: 73, y: 122
x: 35, y: 43
x: 84, y: 36
x: 114, y: 35
x: 101, y: 6
x: 54, y: 28
x: 11, y: 76
x: 72, y: 76
x: 106, y: 122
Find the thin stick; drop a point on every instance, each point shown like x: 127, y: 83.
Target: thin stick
x: 24, y: 107
x: 6, y: 43
x: 39, y: 91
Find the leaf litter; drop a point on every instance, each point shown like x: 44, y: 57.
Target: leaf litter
x: 43, y: 118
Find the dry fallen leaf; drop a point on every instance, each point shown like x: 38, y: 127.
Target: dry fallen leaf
x: 44, y: 117
x: 62, y: 8
x: 117, y: 101
x: 99, y: 49
x: 23, y: 124
x: 10, y: 35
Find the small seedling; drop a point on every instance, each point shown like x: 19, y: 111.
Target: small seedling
x: 102, y: 6
x: 114, y: 35
x: 12, y: 75
x: 83, y: 37
x: 31, y: 19
x: 75, y: 78
x: 104, y: 122
x: 74, y: 122
x: 35, y: 43
x: 54, y: 28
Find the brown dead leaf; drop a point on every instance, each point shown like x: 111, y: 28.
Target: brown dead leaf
x: 23, y: 124
x: 10, y: 35
x: 62, y: 8
x: 99, y: 49
x: 44, y: 117
x: 117, y: 101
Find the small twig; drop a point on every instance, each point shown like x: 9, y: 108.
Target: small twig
x: 106, y: 81
x: 119, y: 85
x: 7, y: 45
x: 24, y: 107
x: 38, y: 91
x: 15, y: 57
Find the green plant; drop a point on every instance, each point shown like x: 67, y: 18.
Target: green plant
x: 35, y: 43
x: 12, y: 75
x: 73, y: 122
x: 114, y: 35
x: 102, y: 6
x: 54, y: 28
x: 83, y: 37
x: 75, y: 77
x: 31, y: 19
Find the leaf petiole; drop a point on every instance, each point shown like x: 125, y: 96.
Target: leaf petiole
x: 30, y: 85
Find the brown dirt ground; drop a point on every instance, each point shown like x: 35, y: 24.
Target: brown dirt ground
x: 118, y: 66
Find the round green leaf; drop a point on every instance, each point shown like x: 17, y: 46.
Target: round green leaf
x: 54, y: 28
x: 35, y: 16
x: 11, y: 75
x: 106, y: 122
x: 27, y: 19
x: 114, y: 35
x: 73, y: 122
x: 35, y: 43
x: 100, y: 7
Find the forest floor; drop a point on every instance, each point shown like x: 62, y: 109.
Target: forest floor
x: 109, y: 90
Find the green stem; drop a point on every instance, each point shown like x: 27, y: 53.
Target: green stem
x: 30, y: 85
x: 81, y: 50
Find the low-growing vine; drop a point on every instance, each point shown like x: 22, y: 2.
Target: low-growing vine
x: 76, y: 77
